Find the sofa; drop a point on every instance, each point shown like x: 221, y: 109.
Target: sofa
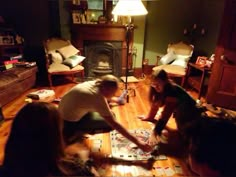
x: 15, y: 81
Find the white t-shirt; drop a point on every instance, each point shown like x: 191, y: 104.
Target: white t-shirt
x: 81, y: 99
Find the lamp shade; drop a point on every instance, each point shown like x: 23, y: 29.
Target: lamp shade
x: 129, y: 8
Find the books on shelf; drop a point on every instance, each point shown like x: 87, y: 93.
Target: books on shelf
x: 10, y: 61
x: 9, y: 66
x: 4, y: 67
x: 25, y: 64
x: 42, y: 94
x: 12, y: 57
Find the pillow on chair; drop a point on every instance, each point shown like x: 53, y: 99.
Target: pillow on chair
x: 56, y: 57
x: 181, y: 60
x: 68, y: 51
x: 166, y: 59
x: 73, y: 60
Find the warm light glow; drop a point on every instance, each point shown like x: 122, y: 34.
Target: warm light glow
x: 129, y: 8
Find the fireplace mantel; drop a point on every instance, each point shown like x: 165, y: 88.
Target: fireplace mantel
x: 100, y: 32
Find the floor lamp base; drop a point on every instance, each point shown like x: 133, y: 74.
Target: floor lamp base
x: 130, y: 91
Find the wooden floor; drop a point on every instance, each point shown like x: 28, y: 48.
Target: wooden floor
x: 127, y: 116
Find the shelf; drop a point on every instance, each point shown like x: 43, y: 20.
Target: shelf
x: 197, y: 77
x: 195, y: 82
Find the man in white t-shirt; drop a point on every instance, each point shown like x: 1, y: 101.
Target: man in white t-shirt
x: 85, y: 107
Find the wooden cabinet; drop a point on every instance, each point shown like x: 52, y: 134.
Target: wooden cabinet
x: 197, y: 78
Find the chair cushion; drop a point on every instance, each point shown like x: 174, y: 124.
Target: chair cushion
x: 56, y: 57
x: 169, y: 57
x: 57, y: 67
x: 73, y: 61
x: 78, y: 68
x: 172, y: 69
x: 179, y: 62
x: 182, y: 57
x: 68, y: 51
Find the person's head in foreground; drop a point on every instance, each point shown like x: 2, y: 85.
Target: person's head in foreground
x: 212, y: 150
x: 108, y: 85
x: 35, y: 142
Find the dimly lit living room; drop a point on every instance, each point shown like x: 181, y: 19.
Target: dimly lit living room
x: 163, y: 57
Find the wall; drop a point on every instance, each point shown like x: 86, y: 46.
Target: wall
x: 65, y: 18
x: 167, y: 19
x: 139, y: 38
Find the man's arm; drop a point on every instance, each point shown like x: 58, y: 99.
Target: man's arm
x: 125, y: 133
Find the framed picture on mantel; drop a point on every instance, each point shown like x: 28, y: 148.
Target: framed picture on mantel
x: 76, y: 18
x: 95, y: 4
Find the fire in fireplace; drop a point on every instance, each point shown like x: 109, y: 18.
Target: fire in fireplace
x: 102, y: 57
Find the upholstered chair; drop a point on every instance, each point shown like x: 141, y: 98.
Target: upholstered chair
x: 62, y: 58
x: 176, y: 60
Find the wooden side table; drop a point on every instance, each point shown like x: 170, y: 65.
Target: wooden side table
x: 196, y: 77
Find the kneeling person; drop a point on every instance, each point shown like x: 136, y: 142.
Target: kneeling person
x: 85, y: 108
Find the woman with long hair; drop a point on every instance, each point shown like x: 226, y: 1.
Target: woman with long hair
x: 35, y: 147
x: 166, y: 94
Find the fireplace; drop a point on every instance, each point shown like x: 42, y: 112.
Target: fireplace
x: 103, y: 45
x: 102, y: 57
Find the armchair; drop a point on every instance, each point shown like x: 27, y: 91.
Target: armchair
x: 62, y: 58
x: 176, y: 60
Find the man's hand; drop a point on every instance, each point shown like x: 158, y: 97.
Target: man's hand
x: 153, y: 140
x: 145, y: 147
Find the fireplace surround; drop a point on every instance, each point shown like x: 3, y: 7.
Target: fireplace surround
x: 102, y: 57
x: 103, y: 45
